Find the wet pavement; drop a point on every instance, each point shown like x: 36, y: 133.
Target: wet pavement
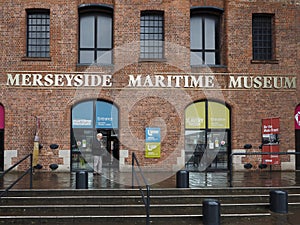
x: 111, y: 178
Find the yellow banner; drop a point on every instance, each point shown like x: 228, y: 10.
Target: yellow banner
x: 195, y: 116
x: 35, y: 154
x: 152, y: 149
x: 218, y: 116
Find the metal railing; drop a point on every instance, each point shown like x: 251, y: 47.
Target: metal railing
x: 254, y: 153
x: 145, y: 198
x: 30, y: 171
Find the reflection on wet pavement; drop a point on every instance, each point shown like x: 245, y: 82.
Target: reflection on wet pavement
x: 112, y: 178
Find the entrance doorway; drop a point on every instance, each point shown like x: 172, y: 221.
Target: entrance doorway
x: 88, y: 119
x: 207, y: 136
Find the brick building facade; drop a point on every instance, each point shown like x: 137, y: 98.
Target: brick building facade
x: 205, y: 72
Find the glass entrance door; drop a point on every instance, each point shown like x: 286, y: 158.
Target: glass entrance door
x: 207, y: 136
x: 88, y: 119
x: 82, y: 157
x: 206, y: 150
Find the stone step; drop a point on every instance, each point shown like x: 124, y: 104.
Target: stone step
x: 165, y: 209
x: 156, y: 191
x: 195, y: 219
x: 112, y: 206
x: 155, y: 199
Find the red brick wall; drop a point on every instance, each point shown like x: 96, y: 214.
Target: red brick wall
x: 53, y: 105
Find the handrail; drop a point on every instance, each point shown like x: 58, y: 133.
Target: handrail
x: 254, y: 153
x: 146, y: 200
x: 30, y: 170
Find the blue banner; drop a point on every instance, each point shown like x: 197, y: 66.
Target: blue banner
x: 82, y: 115
x: 152, y: 134
x: 106, y: 115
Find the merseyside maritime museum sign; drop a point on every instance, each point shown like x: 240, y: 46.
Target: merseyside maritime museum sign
x: 233, y: 81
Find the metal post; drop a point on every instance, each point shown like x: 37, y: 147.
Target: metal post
x: 211, y: 212
x: 279, y: 201
x: 82, y: 180
x: 182, y: 179
x: 132, y: 172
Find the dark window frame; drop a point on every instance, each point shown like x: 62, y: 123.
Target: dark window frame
x: 216, y: 14
x: 38, y: 34
x: 95, y: 11
x: 107, y: 132
x: 263, y: 43
x: 152, y: 36
x: 208, y: 131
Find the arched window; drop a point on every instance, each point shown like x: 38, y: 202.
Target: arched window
x: 89, y: 118
x: 95, y: 34
x: 207, y: 135
x: 205, y: 36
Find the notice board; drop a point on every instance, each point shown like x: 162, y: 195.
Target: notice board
x: 270, y: 140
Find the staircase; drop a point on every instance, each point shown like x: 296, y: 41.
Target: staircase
x: 124, y: 206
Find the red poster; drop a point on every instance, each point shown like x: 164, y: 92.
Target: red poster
x: 270, y: 159
x: 1, y: 117
x: 270, y: 130
x: 270, y: 126
x: 297, y: 118
x: 270, y: 140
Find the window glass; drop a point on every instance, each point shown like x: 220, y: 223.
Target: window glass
x: 87, y: 29
x: 195, y: 116
x: 152, y: 35
x: 196, y: 58
x: 204, y: 41
x: 82, y: 115
x: 104, y: 57
x: 86, y: 56
x: 106, y: 115
x: 196, y: 32
x: 217, y: 148
x: 262, y: 39
x: 207, y: 129
x: 218, y: 116
x: 210, y: 37
x: 38, y: 34
x: 104, y: 29
x: 95, y: 37
x: 210, y: 58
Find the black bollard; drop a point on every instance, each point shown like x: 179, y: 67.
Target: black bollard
x: 82, y: 180
x: 279, y: 201
x: 211, y: 212
x: 182, y: 179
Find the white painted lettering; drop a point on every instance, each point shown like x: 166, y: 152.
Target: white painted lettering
x: 26, y: 79
x: 106, y: 80
x: 48, y: 80
x: 13, y: 80
x: 135, y: 82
